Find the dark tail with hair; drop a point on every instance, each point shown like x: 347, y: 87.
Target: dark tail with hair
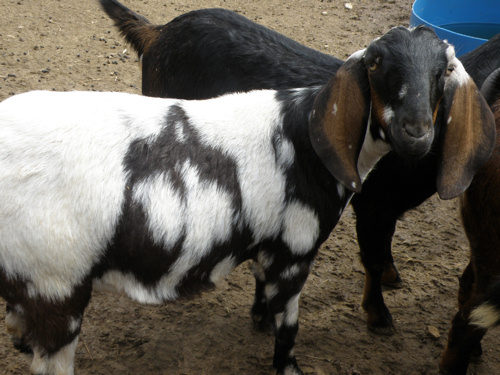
x: 136, y: 29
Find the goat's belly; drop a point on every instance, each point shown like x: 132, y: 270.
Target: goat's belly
x: 181, y: 280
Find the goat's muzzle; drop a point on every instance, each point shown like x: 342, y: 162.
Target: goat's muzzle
x: 412, y: 133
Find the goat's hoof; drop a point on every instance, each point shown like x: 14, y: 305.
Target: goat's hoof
x: 394, y: 284
x: 379, y: 320
x: 382, y: 330
x: 391, y: 277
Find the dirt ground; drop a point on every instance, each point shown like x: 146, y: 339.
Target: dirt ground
x: 72, y: 45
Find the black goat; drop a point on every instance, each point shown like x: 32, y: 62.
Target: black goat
x: 479, y: 285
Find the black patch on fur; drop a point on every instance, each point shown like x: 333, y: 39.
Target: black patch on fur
x: 147, y: 158
x: 133, y: 249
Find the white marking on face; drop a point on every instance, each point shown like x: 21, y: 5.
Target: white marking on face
x: 59, y: 363
x: 450, y: 53
x: 300, y: 228
x: 388, y: 115
x: 222, y: 269
x: 449, y: 120
x: 334, y: 110
x: 458, y: 73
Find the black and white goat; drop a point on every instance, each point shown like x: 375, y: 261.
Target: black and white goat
x: 208, y: 52
x: 160, y: 198
x: 479, y: 294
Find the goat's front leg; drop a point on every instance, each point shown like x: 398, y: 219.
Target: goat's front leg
x: 375, y: 244
x: 260, y: 309
x: 390, y: 190
x: 286, y: 327
x: 284, y: 278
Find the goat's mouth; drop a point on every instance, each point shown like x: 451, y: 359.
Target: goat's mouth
x: 409, y: 147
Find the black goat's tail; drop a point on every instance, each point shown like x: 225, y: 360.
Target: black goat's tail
x: 136, y: 29
x: 487, y: 314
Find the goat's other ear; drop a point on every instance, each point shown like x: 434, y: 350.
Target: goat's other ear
x: 491, y: 88
x: 469, y: 137
x: 338, y: 122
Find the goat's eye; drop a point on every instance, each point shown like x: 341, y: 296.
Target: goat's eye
x: 449, y: 70
x: 374, y: 64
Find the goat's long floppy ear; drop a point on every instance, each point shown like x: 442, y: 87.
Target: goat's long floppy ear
x: 491, y: 88
x: 338, y: 122
x: 469, y: 136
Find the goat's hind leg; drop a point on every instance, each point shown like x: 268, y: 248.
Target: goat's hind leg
x: 16, y: 329
x: 52, y: 329
x: 466, y: 285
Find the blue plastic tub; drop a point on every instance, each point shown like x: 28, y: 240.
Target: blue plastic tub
x: 464, y: 23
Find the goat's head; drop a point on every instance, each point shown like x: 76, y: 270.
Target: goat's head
x: 398, y: 85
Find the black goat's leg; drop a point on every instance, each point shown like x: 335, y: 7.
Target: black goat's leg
x: 393, y: 188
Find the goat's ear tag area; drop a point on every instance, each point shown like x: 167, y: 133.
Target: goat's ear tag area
x: 337, y: 126
x: 469, y: 137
